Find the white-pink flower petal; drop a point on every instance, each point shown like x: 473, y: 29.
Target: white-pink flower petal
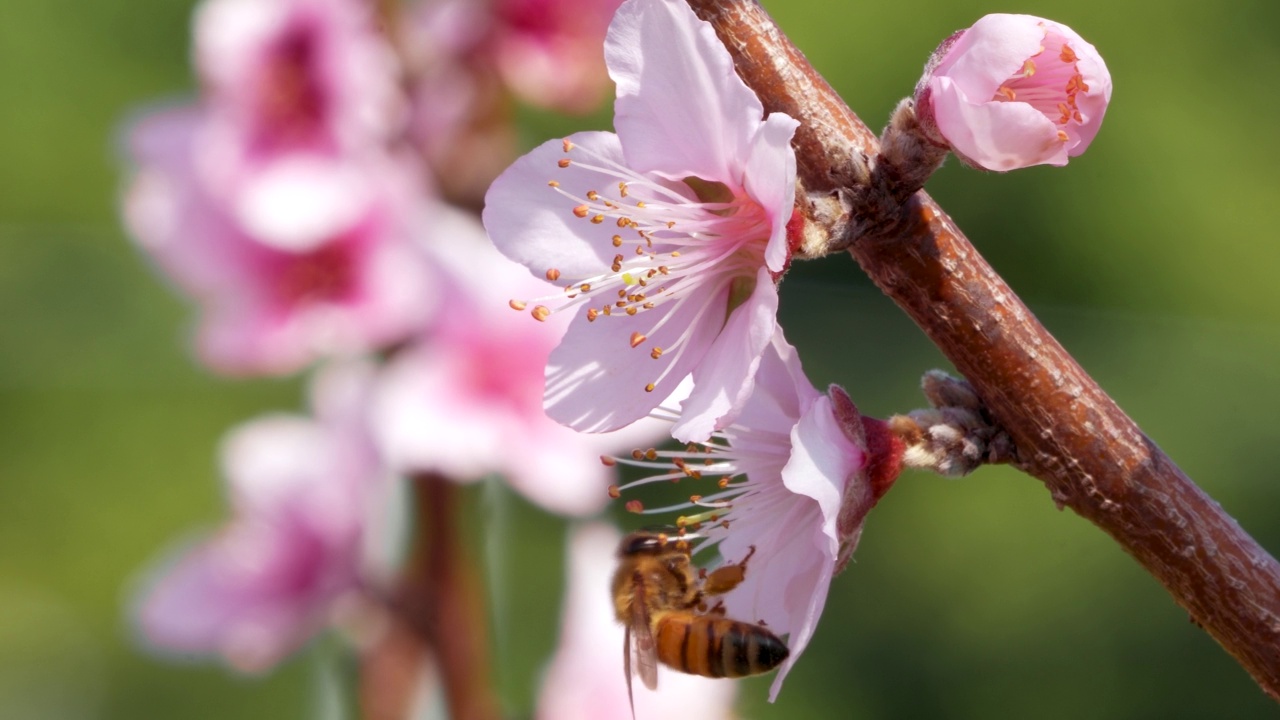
x: 531, y: 223
x: 1004, y: 136
x: 769, y: 177
x: 719, y: 390
x: 598, y: 377
x: 990, y: 51
x: 681, y: 107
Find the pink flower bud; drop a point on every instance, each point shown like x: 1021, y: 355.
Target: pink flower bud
x: 1014, y: 91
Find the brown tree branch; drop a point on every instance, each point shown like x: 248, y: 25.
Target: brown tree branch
x: 1067, y: 432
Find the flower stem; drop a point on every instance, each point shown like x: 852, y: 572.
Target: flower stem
x: 439, y: 617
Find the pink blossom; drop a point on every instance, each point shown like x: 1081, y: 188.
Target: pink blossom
x: 274, y: 201
x: 293, y: 89
x: 301, y: 492
x: 294, y: 76
x: 792, y: 485
x: 586, y: 678
x: 466, y: 401
x: 316, y: 258
x: 1014, y: 91
x: 668, y: 236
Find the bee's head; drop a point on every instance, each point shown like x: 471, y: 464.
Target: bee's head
x: 653, y: 542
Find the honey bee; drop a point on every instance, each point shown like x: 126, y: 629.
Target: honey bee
x: 662, y: 601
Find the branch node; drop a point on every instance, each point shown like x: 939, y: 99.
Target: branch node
x: 955, y: 435
x: 908, y: 156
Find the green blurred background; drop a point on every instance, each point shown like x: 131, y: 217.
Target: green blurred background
x: 1151, y: 257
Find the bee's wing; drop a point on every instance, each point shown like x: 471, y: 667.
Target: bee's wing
x: 626, y: 662
x: 643, y: 656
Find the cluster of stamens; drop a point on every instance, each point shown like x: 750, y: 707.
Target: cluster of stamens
x: 1050, y: 98
x: 671, y: 249
x: 695, y: 462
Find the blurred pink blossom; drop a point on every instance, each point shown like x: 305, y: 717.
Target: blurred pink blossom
x: 303, y: 493
x: 464, y: 59
x: 274, y: 201
x: 1014, y: 91
x: 292, y: 88
x: 668, y: 237
x: 548, y: 51
x: 319, y: 259
x: 466, y: 401
x: 792, y: 485
x: 586, y: 678
x: 460, y: 115
x: 294, y: 76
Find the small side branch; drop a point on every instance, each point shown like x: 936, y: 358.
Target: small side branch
x: 1066, y: 431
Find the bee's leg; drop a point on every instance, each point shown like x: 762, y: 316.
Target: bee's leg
x: 727, y: 577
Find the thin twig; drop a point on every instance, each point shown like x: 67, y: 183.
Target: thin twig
x: 391, y: 673
x: 1067, y: 432
x: 441, y: 602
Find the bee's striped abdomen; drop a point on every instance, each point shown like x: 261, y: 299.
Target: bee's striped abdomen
x: 715, y: 646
